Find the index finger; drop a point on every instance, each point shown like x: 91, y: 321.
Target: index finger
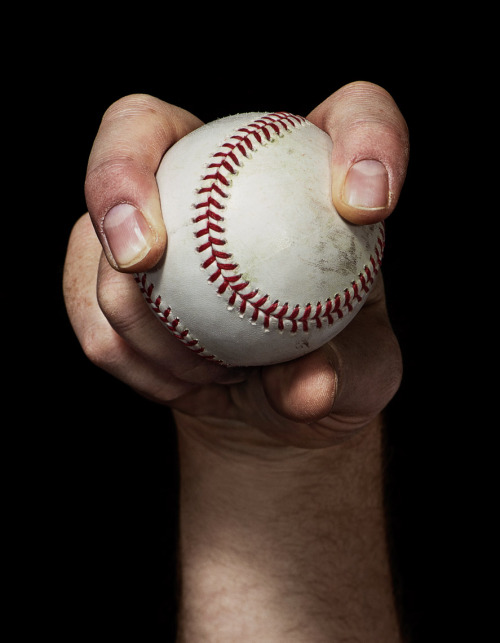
x: 120, y: 187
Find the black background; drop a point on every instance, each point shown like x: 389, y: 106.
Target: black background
x: 91, y: 482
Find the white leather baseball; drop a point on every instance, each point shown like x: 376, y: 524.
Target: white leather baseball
x: 259, y: 267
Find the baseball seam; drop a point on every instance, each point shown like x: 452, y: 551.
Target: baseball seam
x: 223, y: 269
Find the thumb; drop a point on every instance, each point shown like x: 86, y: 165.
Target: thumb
x: 370, y: 150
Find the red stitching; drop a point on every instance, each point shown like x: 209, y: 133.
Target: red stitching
x: 225, y: 165
x: 227, y: 160
x: 170, y: 322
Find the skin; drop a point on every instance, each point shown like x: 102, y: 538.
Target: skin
x: 256, y: 441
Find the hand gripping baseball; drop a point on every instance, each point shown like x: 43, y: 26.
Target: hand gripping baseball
x: 310, y: 401
x: 260, y: 268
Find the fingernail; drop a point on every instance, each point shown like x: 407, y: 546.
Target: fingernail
x: 367, y: 185
x: 128, y: 234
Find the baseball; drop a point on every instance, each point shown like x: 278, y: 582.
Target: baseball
x: 259, y: 268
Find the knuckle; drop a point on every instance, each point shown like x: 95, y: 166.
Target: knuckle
x: 108, y: 172
x: 121, y: 302
x: 100, y: 345
x: 373, y: 136
x: 117, y: 177
x: 130, y: 106
x: 375, y: 133
x: 371, y: 119
x: 396, y: 376
x: 111, y: 292
x: 393, y: 370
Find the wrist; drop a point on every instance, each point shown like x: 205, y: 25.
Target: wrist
x: 238, y: 444
x: 275, y: 537
x: 235, y: 469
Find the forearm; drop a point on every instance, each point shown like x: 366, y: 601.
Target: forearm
x: 291, y: 547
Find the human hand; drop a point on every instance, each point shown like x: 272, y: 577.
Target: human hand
x: 314, y: 401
